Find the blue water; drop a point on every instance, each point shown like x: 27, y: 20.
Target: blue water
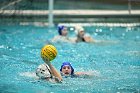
x: 116, y: 65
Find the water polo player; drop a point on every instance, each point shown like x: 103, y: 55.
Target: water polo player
x: 48, y: 71
x: 67, y: 70
x: 82, y: 36
x: 44, y: 72
x: 63, y: 35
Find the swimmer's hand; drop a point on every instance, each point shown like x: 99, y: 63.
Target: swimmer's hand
x: 47, y: 61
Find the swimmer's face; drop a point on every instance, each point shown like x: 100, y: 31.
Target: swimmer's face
x: 66, y: 70
x: 64, y: 31
x: 81, y: 34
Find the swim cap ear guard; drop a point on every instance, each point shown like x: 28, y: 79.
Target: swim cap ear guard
x: 60, y: 28
x: 67, y: 63
x: 43, y: 71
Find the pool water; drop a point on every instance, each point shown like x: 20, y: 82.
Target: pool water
x: 116, y: 65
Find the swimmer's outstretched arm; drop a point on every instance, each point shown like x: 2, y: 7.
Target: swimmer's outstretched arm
x: 85, y: 74
x: 54, y: 71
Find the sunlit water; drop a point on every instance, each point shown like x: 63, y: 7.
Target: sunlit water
x: 116, y: 65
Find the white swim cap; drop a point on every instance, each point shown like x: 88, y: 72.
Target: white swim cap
x: 78, y: 29
x: 43, y: 71
x: 87, y: 35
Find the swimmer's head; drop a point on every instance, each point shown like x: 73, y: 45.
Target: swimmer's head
x: 43, y: 71
x: 78, y: 29
x: 67, y: 69
x: 62, y: 30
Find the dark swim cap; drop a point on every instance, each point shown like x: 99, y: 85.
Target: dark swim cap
x: 60, y: 28
x: 67, y: 63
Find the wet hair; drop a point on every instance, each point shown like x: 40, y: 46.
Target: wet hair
x: 67, y: 63
x: 60, y: 28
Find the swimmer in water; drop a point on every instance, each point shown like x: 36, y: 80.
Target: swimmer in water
x: 63, y: 35
x: 48, y: 72
x: 82, y: 36
x: 67, y: 70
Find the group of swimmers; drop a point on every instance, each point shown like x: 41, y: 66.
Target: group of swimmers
x: 48, y: 72
x: 81, y: 35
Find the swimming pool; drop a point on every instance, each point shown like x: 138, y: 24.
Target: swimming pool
x: 116, y: 65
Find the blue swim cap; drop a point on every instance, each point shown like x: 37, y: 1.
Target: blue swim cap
x: 67, y: 63
x: 60, y: 28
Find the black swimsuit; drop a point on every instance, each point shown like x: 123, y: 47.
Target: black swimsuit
x: 83, y: 39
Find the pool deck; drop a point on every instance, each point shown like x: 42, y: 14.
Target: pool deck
x: 93, y: 13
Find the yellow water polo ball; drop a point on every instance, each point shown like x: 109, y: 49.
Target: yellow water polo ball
x: 48, y: 52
